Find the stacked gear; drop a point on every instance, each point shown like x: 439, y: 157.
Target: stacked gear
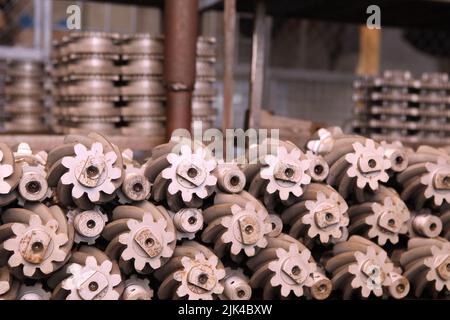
x: 348, y: 218
x: 25, y: 97
x: 396, y: 106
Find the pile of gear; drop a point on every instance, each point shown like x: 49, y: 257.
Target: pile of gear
x: 395, y: 106
x: 25, y: 97
x: 349, y: 218
x: 113, y: 84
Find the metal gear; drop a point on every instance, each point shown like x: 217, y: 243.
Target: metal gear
x: 88, y: 224
x: 190, y: 173
x: 200, y: 278
x: 318, y: 167
x: 368, y: 164
x: 286, y: 172
x: 35, y: 244
x: 90, y: 171
x: 437, y: 181
x: 326, y: 218
x: 5, y: 171
x: 439, y: 265
x: 397, y: 154
x: 188, y: 222
x: 91, y: 281
x: 236, y: 285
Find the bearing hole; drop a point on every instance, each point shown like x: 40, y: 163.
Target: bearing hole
x: 295, y: 270
x: 234, y: 181
x: 192, y: 172
x: 93, y: 286
x: 328, y: 216
x: 447, y: 266
x: 433, y: 226
x: 391, y: 222
x: 92, y: 171
x: 138, y: 187
x: 400, y: 288
x: 240, y: 293
x: 149, y: 242
x: 446, y: 180
x: 91, y: 224
x: 399, y: 160
x: 192, y: 220
x: 203, y: 278
x: 289, y: 172
x: 37, y: 247
x: 372, y: 163
x: 318, y: 169
x: 248, y: 229
x: 33, y: 187
x: 322, y: 288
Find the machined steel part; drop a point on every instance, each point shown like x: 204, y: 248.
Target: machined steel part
x: 91, y: 42
x: 142, y: 64
x: 25, y: 68
x: 142, y: 86
x: 85, y: 170
x: 426, y: 177
x: 382, y: 215
x: 88, y: 224
x: 320, y: 214
x: 230, y: 178
x: 88, y: 275
x: 33, y: 184
x: 194, y: 272
x: 36, y: 239
x: 362, y: 268
x: 135, y: 185
x: 427, y: 266
x: 424, y: 223
x: 141, y: 237
x: 236, y: 285
x: 181, y: 173
x: 33, y: 292
x: 142, y: 44
x: 137, y: 289
x: 89, y: 64
x: 285, y: 269
x: 187, y: 221
x: 237, y: 224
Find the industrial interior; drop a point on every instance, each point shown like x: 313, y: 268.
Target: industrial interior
x: 349, y: 198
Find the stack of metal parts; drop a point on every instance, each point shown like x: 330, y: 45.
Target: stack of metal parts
x: 396, y: 106
x: 143, y: 90
x: 25, y: 97
x: 347, y: 219
x: 204, y: 92
x: 85, y: 83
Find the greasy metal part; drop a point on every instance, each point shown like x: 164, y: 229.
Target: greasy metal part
x: 236, y: 224
x: 181, y: 23
x: 193, y: 272
x: 427, y: 263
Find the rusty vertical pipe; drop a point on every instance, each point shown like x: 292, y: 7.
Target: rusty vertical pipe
x: 180, y: 30
x: 229, y: 18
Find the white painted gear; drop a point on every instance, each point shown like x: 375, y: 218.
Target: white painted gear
x: 36, y: 246
x: 325, y: 141
x: 133, y: 172
x: 96, y: 181
x: 387, y: 221
x: 5, y: 171
x: 286, y: 172
x: 34, y: 292
x: 371, y: 272
x: 200, y: 278
x: 190, y: 173
x: 442, y: 167
x: 146, y: 242
x: 368, y: 164
x: 137, y: 289
x: 292, y: 270
x: 246, y: 229
x: 95, y: 231
x: 327, y: 217
x: 91, y: 281
x: 439, y: 264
